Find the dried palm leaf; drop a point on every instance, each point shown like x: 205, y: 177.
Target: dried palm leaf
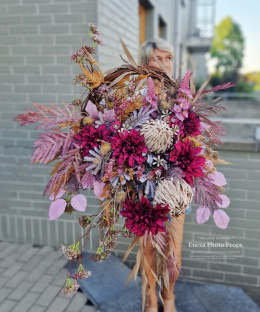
x: 192, y: 84
x: 131, y: 247
x: 201, y: 90
x: 91, y: 59
x: 94, y: 78
x: 131, y: 60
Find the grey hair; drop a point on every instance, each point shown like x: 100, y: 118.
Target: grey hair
x: 148, y: 47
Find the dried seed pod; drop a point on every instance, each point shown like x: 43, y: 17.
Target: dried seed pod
x: 84, y: 221
x: 158, y: 135
x: 177, y: 195
x: 69, y: 209
x: 105, y: 148
x: 120, y: 197
x: 87, y: 120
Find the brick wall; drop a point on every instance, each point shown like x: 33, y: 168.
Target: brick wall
x: 125, y: 23
x: 36, y: 39
x: 243, y: 185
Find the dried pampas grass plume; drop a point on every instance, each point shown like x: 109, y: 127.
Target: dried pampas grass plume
x: 177, y: 195
x: 158, y: 135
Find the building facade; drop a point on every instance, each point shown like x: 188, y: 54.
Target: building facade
x: 36, y: 40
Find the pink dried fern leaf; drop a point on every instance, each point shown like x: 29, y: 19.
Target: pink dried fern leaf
x: 206, y: 193
x: 51, y: 145
x: 48, y: 146
x: 47, y: 116
x: 207, y: 110
x: 217, y: 88
x: 62, y: 173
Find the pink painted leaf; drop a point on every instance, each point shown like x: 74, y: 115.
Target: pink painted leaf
x: 91, y: 109
x: 57, y: 208
x: 202, y: 214
x: 208, y: 162
x: 225, y: 201
x: 79, y: 202
x: 60, y: 192
x: 98, y: 188
x: 203, y: 126
x: 218, y: 178
x: 221, y: 219
x: 185, y: 113
x: 179, y: 116
x: 109, y: 115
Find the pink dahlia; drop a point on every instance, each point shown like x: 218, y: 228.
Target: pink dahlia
x: 129, y: 146
x: 89, y: 136
x: 190, y: 126
x: 186, y: 157
x: 142, y: 217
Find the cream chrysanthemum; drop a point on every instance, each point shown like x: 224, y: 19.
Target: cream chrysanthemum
x: 177, y: 195
x: 158, y: 135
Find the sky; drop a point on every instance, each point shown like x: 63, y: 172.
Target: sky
x: 247, y: 14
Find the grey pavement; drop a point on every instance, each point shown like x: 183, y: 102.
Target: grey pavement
x: 31, y: 280
x: 105, y: 288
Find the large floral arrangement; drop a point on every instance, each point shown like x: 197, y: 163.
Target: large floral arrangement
x: 143, y: 141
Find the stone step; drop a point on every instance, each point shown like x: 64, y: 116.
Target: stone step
x: 241, y: 109
x: 241, y: 127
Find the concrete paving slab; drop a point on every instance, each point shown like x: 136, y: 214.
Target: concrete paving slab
x: 37, y: 291
x: 106, y: 281
x: 77, y: 303
x: 224, y: 298
x: 7, y: 305
x: 105, y: 289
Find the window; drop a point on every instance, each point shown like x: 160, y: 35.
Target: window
x: 146, y: 21
x: 161, y: 28
x: 142, y: 24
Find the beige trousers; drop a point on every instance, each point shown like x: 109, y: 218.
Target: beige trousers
x: 150, y: 256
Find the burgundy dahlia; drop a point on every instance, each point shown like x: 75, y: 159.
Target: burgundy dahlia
x: 88, y: 138
x: 129, y: 146
x: 190, y: 126
x: 188, y: 160
x: 142, y: 217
